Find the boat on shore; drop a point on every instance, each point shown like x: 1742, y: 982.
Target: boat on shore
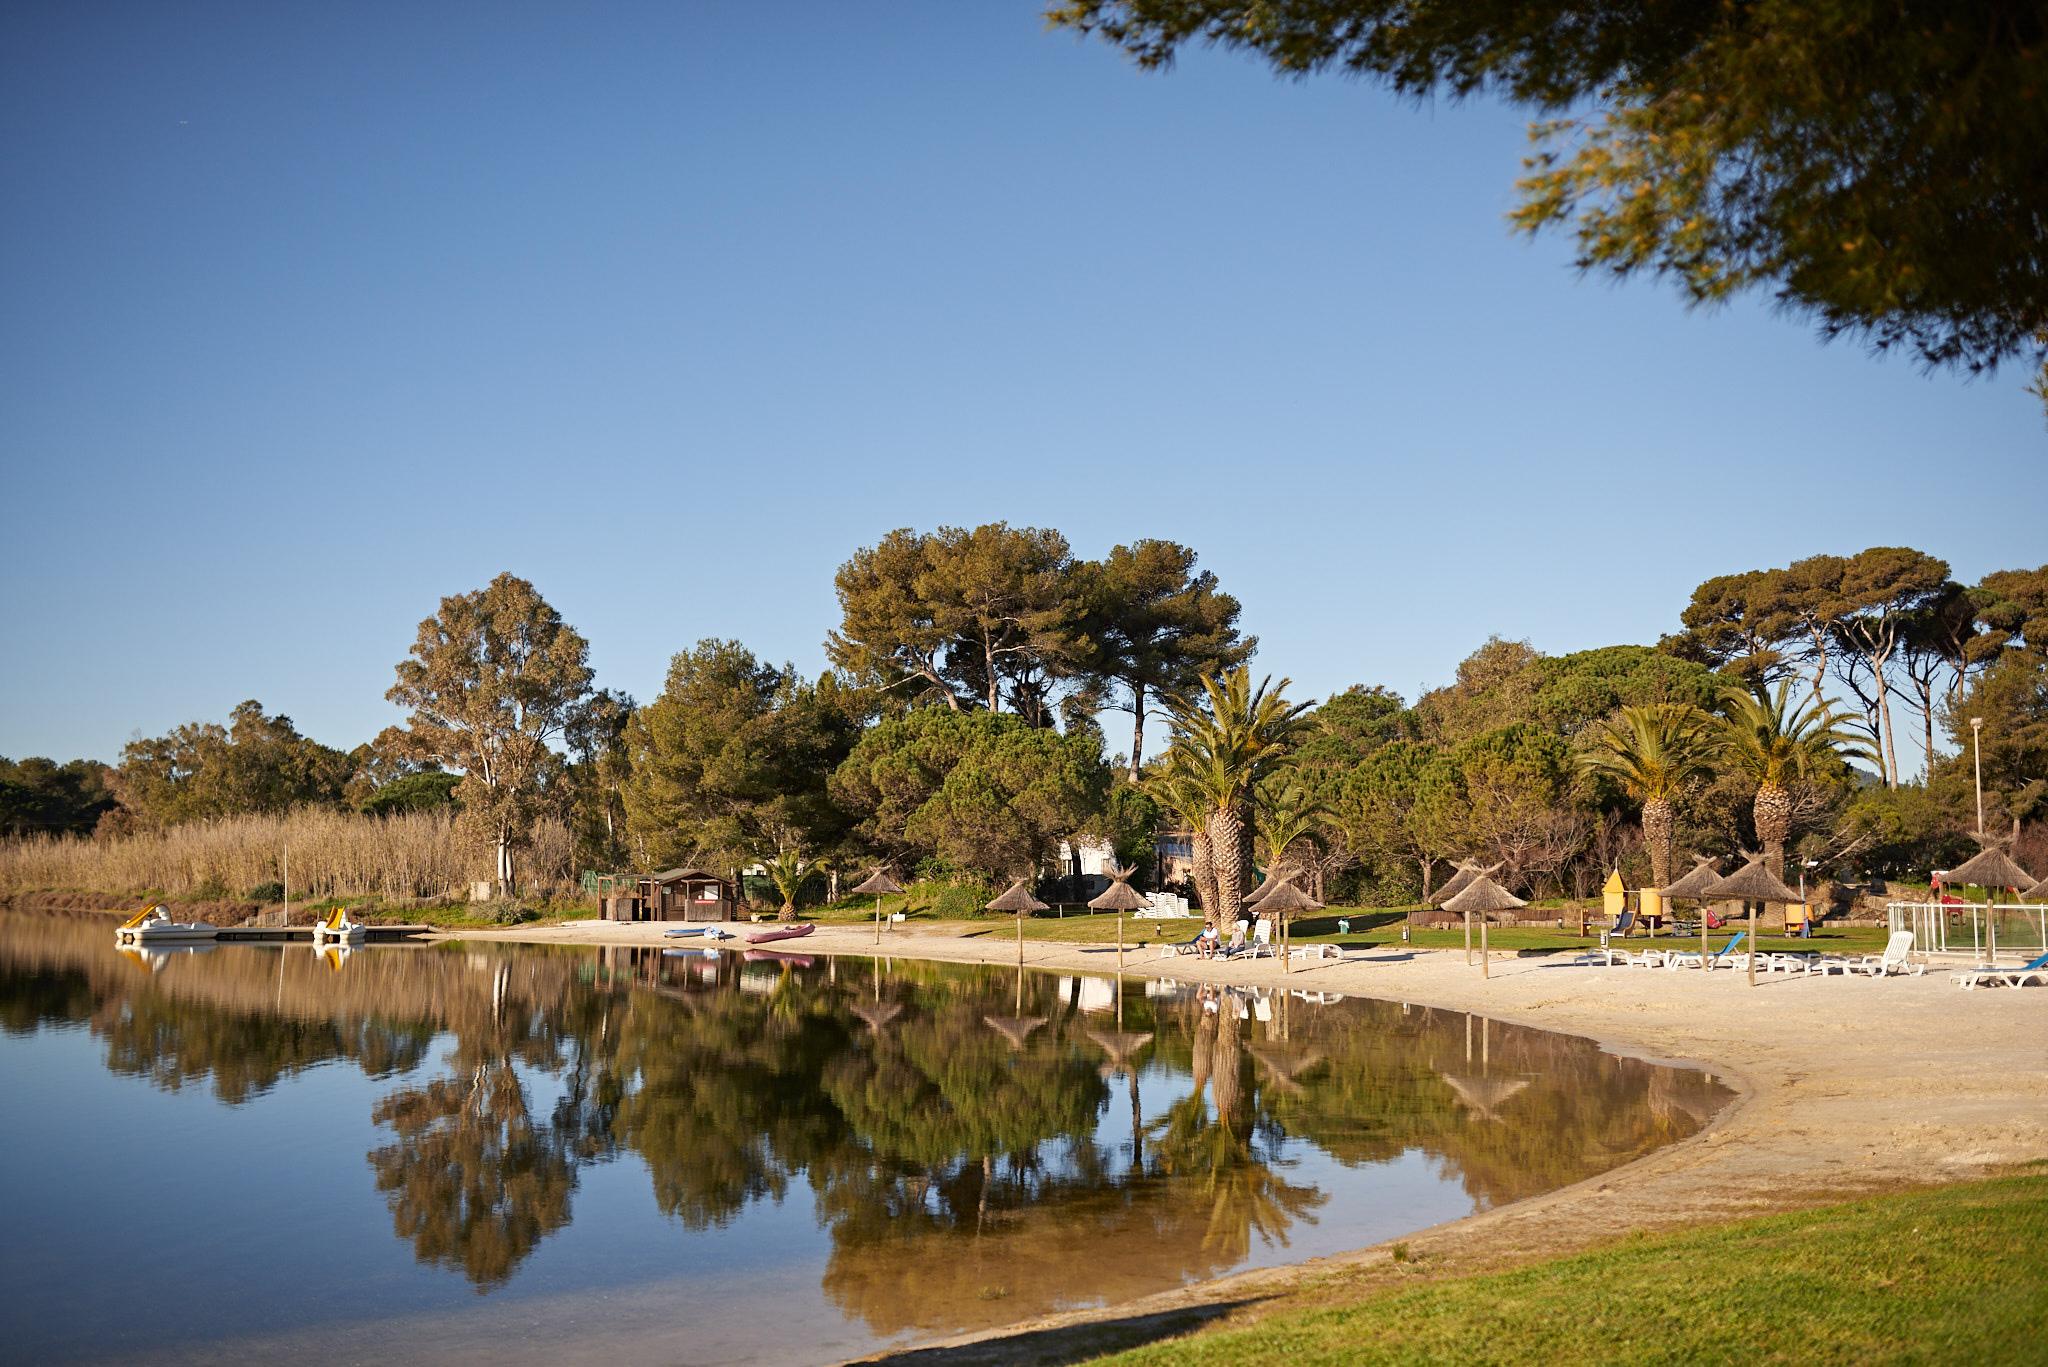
x: 153, y: 925
x: 335, y: 928
x: 768, y: 937
x: 680, y: 931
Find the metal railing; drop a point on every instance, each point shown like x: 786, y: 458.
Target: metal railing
x: 2002, y: 927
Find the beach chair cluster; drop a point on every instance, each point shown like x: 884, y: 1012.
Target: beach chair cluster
x: 1896, y: 960
x: 1248, y: 940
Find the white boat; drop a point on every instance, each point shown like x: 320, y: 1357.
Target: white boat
x: 336, y: 929
x: 153, y: 925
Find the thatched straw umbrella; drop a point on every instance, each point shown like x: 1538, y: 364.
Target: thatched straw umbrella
x: 1753, y: 882
x: 1285, y: 1063
x: 1693, y: 888
x: 1462, y: 879
x: 1017, y: 898
x: 878, y: 1014
x: 881, y: 885
x: 2038, y: 892
x: 1484, y: 1096
x: 1281, y: 904
x: 1991, y: 867
x: 1483, y: 897
x: 1275, y: 876
x: 1119, y: 897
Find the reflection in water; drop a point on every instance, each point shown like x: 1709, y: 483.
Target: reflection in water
x: 976, y: 1145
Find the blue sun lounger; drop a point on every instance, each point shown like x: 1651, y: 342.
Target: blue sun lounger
x: 2037, y: 971
x: 1693, y: 960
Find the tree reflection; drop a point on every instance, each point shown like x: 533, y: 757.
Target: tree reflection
x: 956, y: 1130
x: 469, y: 1180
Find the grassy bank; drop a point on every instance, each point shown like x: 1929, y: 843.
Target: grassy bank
x: 1955, y: 1274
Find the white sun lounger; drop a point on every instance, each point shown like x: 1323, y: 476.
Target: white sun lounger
x: 1892, y: 961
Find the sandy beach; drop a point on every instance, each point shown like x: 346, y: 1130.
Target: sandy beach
x: 1845, y: 1086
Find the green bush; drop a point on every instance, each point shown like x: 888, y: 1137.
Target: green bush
x: 267, y: 892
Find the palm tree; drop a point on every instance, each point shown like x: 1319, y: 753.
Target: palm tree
x: 789, y: 869
x: 1773, y: 746
x: 1229, y: 742
x: 1654, y: 750
x: 1286, y: 813
x: 1176, y: 790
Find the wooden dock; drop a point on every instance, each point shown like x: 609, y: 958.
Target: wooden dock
x: 304, y: 934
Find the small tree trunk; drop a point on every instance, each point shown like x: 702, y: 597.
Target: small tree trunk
x: 1772, y: 811
x: 788, y: 907
x: 1884, y: 722
x: 1137, y: 729
x: 1227, y: 845
x: 504, y: 862
x: 1204, y: 873
x: 1657, y: 826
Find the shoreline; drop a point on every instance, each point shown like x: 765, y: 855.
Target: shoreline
x: 1843, y: 1087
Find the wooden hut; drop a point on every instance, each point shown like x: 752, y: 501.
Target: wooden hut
x: 675, y: 895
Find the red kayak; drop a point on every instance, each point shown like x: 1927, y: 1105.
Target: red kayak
x: 766, y: 937
x: 775, y: 956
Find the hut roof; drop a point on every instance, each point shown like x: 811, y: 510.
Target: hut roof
x: 1120, y: 896
x: 681, y: 875
x: 2038, y: 892
x: 1753, y: 882
x: 878, y: 884
x: 1483, y: 896
x: 1693, y: 885
x: 1286, y: 898
x: 1017, y: 897
x: 1991, y: 867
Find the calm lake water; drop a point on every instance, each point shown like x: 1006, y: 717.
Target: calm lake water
x: 497, y: 1153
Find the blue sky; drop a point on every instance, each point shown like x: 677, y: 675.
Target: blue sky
x: 313, y: 315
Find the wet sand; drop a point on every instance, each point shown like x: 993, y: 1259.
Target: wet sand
x: 1845, y: 1086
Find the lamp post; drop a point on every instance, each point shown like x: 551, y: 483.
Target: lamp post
x: 1977, y: 757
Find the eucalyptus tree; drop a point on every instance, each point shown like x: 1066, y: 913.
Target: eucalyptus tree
x: 493, y: 679
x: 1774, y: 745
x: 1654, y: 751
x: 1231, y: 740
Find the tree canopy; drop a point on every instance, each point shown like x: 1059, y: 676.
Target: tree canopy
x: 1879, y: 168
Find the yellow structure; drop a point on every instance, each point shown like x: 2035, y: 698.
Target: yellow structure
x: 1649, y: 905
x: 1614, y: 896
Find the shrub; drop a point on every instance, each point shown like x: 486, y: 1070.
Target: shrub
x: 267, y: 892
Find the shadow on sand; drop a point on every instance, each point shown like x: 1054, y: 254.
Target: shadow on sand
x: 1067, y: 1343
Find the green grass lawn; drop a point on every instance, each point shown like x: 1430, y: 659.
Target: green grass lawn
x: 1957, y: 1274
x: 1370, y: 927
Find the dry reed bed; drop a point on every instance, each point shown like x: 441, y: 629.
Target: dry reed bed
x: 411, y: 855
